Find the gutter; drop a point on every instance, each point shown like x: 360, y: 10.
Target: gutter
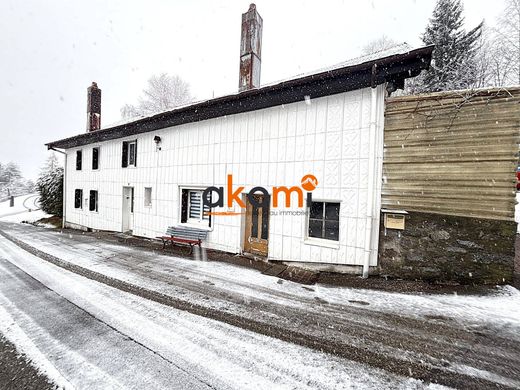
x: 63, y: 219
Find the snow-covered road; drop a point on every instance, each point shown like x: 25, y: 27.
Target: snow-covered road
x: 455, y: 340
x: 84, y: 334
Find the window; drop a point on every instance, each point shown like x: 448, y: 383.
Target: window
x: 193, y: 210
x: 129, y: 154
x: 147, y: 197
x: 95, y: 158
x: 78, y: 199
x: 93, y: 201
x: 324, y: 220
x: 79, y: 158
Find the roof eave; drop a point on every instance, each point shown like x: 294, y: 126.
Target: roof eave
x: 391, y: 68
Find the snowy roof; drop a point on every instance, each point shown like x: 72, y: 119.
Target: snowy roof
x: 394, y: 64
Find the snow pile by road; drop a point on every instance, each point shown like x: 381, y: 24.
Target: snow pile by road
x: 26, y: 209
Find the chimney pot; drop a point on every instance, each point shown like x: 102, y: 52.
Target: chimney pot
x: 93, y: 107
x: 250, y: 49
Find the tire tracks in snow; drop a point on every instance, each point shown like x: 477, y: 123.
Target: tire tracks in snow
x: 401, y: 366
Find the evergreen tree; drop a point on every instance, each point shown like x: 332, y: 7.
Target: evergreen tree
x: 50, y: 187
x: 454, y: 64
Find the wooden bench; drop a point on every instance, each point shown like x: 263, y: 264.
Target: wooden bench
x: 184, y: 235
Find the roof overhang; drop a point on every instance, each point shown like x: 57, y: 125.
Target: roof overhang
x: 393, y: 69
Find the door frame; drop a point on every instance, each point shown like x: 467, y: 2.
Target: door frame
x: 129, y: 226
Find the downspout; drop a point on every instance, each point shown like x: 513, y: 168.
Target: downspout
x: 378, y: 178
x: 64, y: 184
x: 371, y: 173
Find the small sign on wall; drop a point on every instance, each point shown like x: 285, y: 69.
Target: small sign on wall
x: 394, y: 219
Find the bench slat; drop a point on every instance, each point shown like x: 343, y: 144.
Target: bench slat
x: 186, y: 232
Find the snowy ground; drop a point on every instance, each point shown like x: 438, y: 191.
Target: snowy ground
x: 127, y: 328
x: 469, y: 336
x: 26, y: 208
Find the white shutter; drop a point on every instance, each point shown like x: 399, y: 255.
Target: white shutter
x: 195, y: 208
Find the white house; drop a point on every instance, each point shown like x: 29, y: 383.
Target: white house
x: 149, y: 174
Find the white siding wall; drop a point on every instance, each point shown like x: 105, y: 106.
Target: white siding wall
x: 328, y: 138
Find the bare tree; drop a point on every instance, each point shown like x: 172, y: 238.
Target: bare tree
x: 485, y: 59
x: 507, y: 42
x: 162, y: 93
x: 379, y: 44
x: 493, y: 69
x: 498, y: 53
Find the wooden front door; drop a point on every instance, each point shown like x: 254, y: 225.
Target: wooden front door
x: 256, y: 237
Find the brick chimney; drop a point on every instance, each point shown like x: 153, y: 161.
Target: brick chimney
x: 250, y: 49
x: 93, y: 108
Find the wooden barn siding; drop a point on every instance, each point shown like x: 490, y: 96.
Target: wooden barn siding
x: 452, y: 153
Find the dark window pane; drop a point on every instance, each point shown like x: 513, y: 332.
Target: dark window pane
x: 132, y: 200
x: 332, y: 230
x: 93, y: 201
x: 184, y: 209
x: 78, y: 198
x: 315, y: 228
x: 254, y: 222
x: 124, y: 162
x: 332, y: 211
x: 79, y: 158
x: 317, y: 210
x: 95, y: 158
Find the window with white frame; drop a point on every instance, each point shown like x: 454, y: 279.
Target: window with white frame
x: 324, y: 220
x: 129, y: 154
x: 147, y: 196
x: 192, y: 208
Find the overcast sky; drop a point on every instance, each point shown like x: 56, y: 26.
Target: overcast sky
x: 50, y: 52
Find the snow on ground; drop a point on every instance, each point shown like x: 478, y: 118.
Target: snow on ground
x: 238, y: 358
x: 26, y: 208
x: 446, y: 323
x: 25, y: 345
x: 500, y: 311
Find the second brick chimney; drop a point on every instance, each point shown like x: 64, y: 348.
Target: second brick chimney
x: 250, y: 49
x: 93, y: 108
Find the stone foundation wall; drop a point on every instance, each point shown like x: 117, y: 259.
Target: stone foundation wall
x: 516, y: 277
x: 444, y: 248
